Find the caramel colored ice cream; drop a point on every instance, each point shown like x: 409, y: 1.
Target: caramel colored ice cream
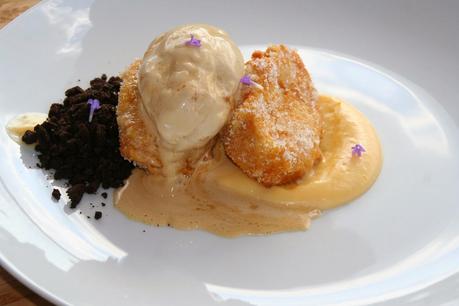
x: 187, y: 80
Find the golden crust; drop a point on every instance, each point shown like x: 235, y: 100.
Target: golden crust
x: 274, y: 133
x: 136, y: 144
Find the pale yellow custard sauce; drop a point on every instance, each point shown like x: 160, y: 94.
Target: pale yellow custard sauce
x: 219, y: 198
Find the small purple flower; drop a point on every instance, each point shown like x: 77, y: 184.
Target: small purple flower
x: 193, y: 42
x: 246, y: 80
x: 93, y: 105
x: 357, y: 150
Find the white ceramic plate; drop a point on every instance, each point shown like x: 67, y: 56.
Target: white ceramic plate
x: 397, y: 244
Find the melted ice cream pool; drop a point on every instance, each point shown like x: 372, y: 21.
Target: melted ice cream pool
x: 220, y: 199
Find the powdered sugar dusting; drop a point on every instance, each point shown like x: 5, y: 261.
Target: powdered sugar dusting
x: 277, y: 127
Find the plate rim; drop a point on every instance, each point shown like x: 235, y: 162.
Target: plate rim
x: 42, y: 291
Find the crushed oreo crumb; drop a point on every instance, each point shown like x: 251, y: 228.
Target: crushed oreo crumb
x: 104, y: 195
x: 103, y: 204
x: 97, y: 215
x: 75, y: 194
x: 29, y: 137
x: 56, y: 194
x: 84, y: 153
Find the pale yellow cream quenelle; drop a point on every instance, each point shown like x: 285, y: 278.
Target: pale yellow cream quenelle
x: 17, y: 126
x: 221, y: 199
x: 186, y: 81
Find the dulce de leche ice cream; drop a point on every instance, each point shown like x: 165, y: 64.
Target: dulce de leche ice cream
x: 186, y: 83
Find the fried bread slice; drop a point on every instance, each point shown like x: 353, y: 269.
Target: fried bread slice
x: 274, y: 133
x: 136, y: 144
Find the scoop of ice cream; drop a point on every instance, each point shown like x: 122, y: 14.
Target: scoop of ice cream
x: 186, y: 82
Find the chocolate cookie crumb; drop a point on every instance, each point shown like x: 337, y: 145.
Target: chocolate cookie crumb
x: 29, y: 137
x: 103, y: 204
x: 104, y: 195
x: 73, y: 91
x: 75, y: 194
x: 92, y: 186
x: 97, y: 215
x: 56, y: 194
x: 85, y: 154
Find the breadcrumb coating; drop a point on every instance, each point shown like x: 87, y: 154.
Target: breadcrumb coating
x: 274, y: 133
x: 137, y: 144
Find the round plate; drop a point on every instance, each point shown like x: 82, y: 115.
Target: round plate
x: 397, y: 244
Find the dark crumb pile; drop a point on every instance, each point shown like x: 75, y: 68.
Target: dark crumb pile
x: 82, y: 152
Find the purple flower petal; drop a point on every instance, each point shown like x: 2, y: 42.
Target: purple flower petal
x: 94, y: 104
x: 246, y: 80
x: 357, y: 150
x: 193, y: 42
